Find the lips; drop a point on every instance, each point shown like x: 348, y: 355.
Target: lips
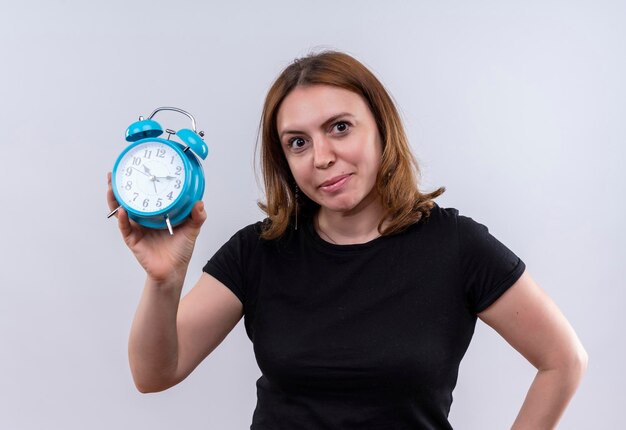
x: 335, y: 183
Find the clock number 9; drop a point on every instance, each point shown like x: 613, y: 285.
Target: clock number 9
x: 129, y: 170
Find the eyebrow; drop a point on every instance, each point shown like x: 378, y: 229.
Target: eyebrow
x: 324, y: 124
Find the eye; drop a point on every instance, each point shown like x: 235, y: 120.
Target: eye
x: 296, y: 144
x: 341, y: 126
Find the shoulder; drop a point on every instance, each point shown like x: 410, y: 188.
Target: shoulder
x: 249, y: 240
x: 234, y: 258
x: 440, y: 218
x: 241, y: 243
x: 250, y: 233
x: 443, y: 214
x: 437, y: 228
x: 452, y: 218
x: 447, y: 227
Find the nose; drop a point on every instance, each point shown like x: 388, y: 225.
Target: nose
x: 323, y: 153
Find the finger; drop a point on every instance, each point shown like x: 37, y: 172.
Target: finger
x: 198, y: 214
x: 124, y: 224
x: 111, y: 201
x: 191, y: 227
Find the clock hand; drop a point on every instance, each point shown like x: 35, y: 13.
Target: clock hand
x: 168, y: 177
x: 143, y: 173
x: 153, y: 178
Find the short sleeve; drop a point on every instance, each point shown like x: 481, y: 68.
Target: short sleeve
x: 228, y: 265
x: 488, y: 268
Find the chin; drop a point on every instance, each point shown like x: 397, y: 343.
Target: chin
x: 346, y: 206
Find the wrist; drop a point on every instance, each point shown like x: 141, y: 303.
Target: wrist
x: 170, y: 282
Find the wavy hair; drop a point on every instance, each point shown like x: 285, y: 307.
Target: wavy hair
x: 397, y: 179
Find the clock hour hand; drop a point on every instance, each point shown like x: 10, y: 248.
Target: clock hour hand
x: 153, y: 178
x: 168, y: 177
x: 143, y: 173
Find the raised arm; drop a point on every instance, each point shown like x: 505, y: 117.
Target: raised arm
x: 531, y: 322
x: 170, y: 337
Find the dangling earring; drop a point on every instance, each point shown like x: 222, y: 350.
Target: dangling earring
x: 296, y: 203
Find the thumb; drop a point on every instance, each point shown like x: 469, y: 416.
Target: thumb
x: 198, y: 215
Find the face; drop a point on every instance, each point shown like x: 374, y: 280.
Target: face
x: 333, y: 147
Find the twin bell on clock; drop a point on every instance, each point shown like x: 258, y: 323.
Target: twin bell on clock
x: 156, y: 180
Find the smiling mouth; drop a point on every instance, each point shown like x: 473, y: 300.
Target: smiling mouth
x: 334, y: 183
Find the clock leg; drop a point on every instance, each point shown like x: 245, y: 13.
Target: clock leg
x: 113, y: 212
x: 169, y: 225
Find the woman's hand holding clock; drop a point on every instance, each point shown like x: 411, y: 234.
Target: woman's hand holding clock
x: 164, y: 257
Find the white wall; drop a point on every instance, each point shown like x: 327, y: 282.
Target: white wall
x: 517, y: 108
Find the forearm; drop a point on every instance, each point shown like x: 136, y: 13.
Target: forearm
x: 153, y: 342
x: 548, y: 396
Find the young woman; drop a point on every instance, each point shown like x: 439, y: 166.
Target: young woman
x: 360, y: 294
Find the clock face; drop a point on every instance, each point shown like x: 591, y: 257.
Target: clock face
x: 150, y: 177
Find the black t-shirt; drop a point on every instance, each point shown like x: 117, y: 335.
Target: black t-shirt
x: 366, y: 336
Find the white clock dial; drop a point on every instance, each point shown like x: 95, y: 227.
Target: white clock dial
x: 150, y: 177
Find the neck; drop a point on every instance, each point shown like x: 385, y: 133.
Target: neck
x: 348, y: 228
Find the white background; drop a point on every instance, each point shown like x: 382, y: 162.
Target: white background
x: 518, y: 108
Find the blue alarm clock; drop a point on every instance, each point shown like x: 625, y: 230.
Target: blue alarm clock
x: 157, y: 181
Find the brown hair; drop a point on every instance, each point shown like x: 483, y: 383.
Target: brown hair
x: 397, y: 180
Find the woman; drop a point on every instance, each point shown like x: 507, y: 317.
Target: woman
x: 360, y: 293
